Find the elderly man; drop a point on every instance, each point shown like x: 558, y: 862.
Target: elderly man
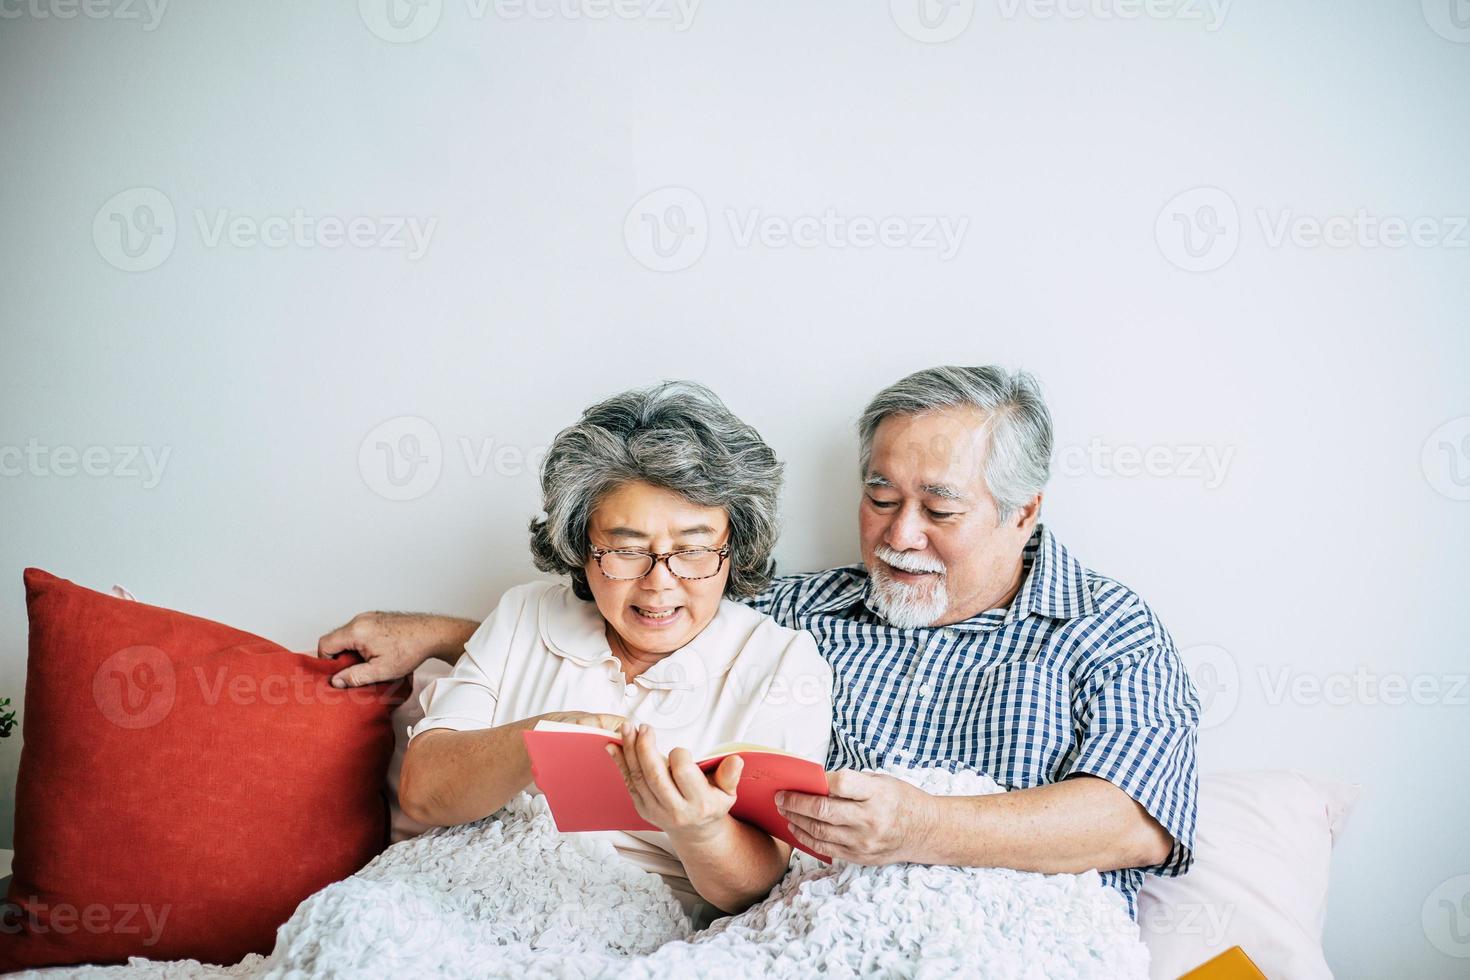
x: 968, y: 637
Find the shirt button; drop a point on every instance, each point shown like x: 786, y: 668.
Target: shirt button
x: 924, y: 689
x: 629, y: 691
x: 948, y: 634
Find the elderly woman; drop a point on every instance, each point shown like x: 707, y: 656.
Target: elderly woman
x: 660, y: 508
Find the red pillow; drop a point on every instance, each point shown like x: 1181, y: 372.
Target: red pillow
x: 183, y: 785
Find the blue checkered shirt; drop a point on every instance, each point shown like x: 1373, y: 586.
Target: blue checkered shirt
x: 1076, y: 676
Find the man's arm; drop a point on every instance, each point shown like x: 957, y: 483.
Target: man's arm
x: 392, y: 645
x: 1071, y: 826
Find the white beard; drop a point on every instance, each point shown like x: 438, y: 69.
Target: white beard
x: 907, y: 606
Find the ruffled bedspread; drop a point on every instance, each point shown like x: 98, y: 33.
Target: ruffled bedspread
x: 510, y: 897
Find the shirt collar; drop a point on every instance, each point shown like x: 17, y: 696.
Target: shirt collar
x: 574, y: 629
x: 1054, y: 585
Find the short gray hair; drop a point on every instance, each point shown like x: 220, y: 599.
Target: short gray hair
x: 677, y: 435
x: 1018, y: 460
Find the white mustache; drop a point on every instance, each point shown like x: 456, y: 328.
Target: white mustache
x: 906, y: 562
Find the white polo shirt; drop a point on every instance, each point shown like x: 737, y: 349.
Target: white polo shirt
x: 742, y: 678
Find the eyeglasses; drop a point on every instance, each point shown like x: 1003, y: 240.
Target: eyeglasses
x: 694, y: 563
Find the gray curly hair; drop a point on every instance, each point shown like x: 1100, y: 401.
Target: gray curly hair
x: 677, y: 435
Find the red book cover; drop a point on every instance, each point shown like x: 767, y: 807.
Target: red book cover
x: 586, y: 792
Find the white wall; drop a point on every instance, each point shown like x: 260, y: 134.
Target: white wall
x: 1323, y: 547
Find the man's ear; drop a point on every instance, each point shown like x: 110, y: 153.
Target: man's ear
x: 1028, y: 514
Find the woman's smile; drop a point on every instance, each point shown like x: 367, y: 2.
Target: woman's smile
x: 656, y: 617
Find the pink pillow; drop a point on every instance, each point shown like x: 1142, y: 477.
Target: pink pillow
x: 1262, y: 856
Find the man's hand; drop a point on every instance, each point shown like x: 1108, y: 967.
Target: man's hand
x: 673, y: 794
x: 392, y: 645
x: 868, y: 818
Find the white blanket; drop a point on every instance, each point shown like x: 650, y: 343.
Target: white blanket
x: 510, y: 897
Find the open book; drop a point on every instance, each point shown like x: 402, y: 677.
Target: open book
x: 585, y: 788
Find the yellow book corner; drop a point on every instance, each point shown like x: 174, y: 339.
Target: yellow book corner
x: 1232, y: 964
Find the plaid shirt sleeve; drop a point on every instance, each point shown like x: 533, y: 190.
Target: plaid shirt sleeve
x: 1138, y: 719
x: 779, y: 600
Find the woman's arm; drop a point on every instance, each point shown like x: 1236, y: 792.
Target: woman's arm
x: 731, y: 864
x: 451, y: 777
x: 733, y: 867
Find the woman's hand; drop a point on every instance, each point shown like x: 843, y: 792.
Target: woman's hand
x: 610, y: 722
x: 673, y: 794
